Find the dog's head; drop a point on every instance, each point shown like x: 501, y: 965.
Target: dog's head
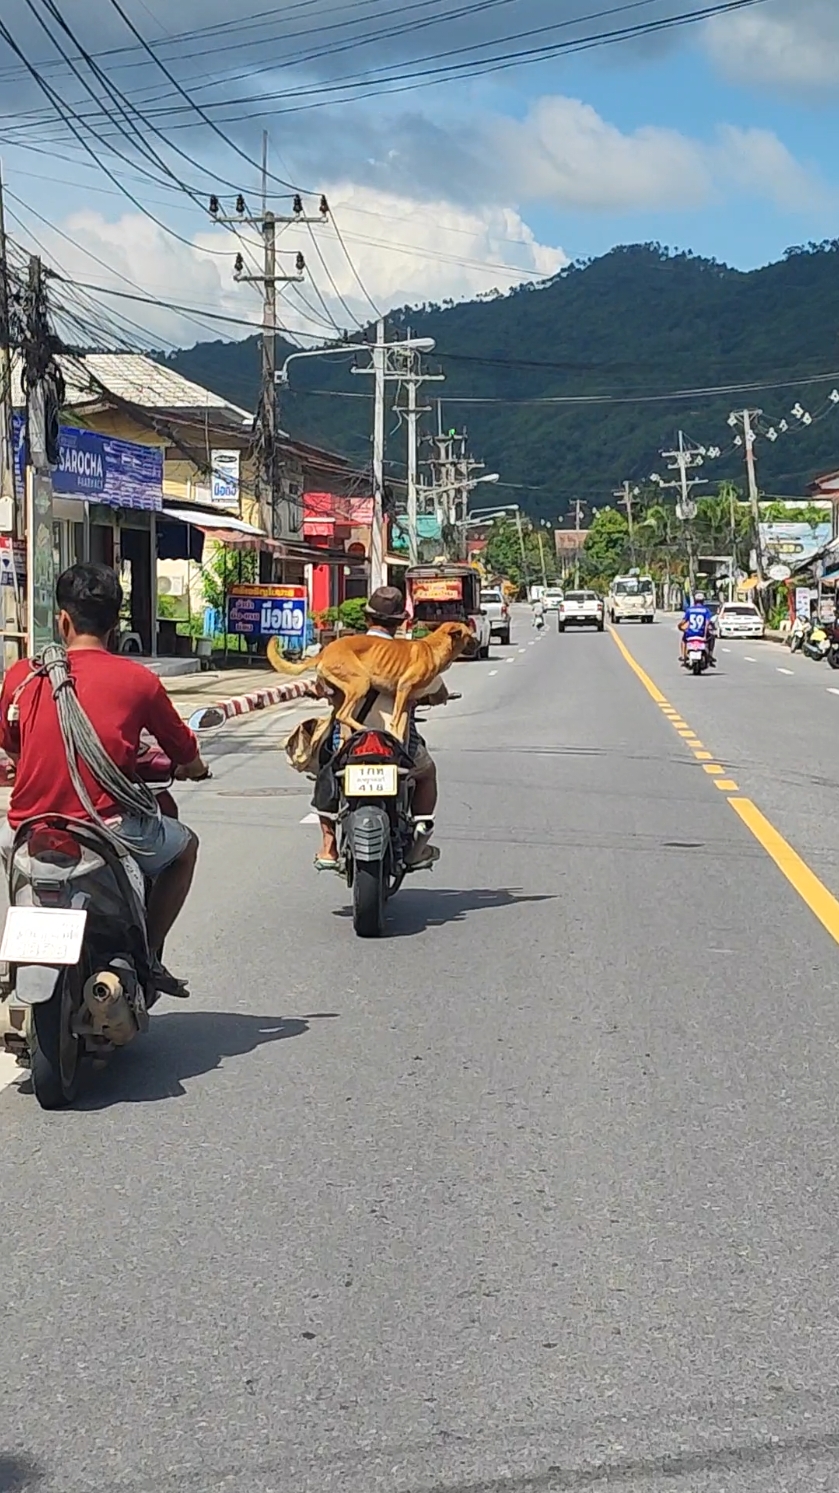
x: 460, y: 635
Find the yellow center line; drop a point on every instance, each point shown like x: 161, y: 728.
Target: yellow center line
x: 805, y: 882
x: 714, y: 769
x: 820, y: 901
x: 652, y: 689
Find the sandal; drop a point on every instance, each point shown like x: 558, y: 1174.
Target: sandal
x: 322, y: 863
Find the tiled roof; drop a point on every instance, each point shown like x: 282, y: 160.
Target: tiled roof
x: 137, y: 379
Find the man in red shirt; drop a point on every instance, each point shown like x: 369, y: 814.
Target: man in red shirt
x: 122, y: 699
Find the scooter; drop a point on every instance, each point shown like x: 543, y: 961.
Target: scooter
x: 79, y: 975
x: 696, y: 655
x: 798, y: 632
x: 817, y: 643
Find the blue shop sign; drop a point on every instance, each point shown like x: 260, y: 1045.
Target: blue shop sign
x: 267, y: 611
x: 123, y: 474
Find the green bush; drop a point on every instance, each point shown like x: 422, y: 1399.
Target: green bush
x: 351, y: 613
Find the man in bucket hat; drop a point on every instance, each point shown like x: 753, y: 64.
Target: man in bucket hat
x: 385, y: 614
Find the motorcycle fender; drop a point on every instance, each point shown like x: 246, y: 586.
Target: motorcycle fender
x: 35, y: 983
x: 368, y: 833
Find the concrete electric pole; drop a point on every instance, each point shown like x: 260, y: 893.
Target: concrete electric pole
x: 744, y: 420
x: 385, y: 368
x: 268, y: 279
x: 681, y: 461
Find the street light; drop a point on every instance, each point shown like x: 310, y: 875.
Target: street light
x: 411, y: 344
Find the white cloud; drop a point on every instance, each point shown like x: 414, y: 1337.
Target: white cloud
x: 758, y: 162
x: 402, y: 251
x: 791, y: 44
x: 565, y: 154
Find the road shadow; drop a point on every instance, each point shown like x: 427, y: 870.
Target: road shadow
x: 181, y: 1045
x: 18, y: 1474
x: 415, y: 910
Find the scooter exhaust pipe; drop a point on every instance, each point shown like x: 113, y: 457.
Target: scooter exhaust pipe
x: 110, y: 1012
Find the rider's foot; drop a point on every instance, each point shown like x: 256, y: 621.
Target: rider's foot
x: 326, y: 863
x: 422, y: 857
x: 166, y: 983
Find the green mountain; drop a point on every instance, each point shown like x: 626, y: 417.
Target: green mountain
x: 635, y: 326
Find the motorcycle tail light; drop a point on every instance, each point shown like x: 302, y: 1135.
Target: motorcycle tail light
x: 54, y: 846
x: 371, y: 744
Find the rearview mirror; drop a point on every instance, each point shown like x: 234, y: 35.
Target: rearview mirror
x: 208, y: 718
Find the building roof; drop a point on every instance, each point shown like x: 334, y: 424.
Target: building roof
x: 140, y: 381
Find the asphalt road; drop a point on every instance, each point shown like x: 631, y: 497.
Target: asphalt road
x: 538, y: 1194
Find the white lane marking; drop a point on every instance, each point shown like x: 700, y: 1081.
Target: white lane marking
x: 786, y: 671
x: 749, y: 660
x: 492, y: 671
x: 9, y: 1070
x: 726, y: 650
x: 832, y: 691
x: 532, y: 644
x: 521, y: 650
x: 310, y: 819
x: 510, y: 660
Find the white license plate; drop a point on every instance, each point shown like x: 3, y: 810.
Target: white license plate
x: 371, y: 780
x: 43, y: 935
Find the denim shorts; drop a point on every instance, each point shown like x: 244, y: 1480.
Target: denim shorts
x: 154, y: 845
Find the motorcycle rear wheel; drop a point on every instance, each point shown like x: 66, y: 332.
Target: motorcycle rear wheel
x: 56, y: 1053
x: 368, y: 899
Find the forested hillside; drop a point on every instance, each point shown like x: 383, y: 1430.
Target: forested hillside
x: 634, y: 326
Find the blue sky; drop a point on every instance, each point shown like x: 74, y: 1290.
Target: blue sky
x: 715, y: 138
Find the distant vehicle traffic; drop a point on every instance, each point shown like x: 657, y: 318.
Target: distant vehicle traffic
x: 631, y: 599
x: 739, y: 619
x: 498, y: 614
x: 552, y: 597
x: 449, y: 592
x: 581, y: 609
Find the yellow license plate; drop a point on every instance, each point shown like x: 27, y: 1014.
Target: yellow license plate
x: 371, y: 780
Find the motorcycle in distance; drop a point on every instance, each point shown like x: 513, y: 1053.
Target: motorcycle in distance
x: 817, y: 643
x: 833, y: 644
x: 376, y: 824
x: 696, y: 655
x: 75, y: 945
x: 798, y: 632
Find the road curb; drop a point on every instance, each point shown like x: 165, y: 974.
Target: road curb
x: 258, y: 699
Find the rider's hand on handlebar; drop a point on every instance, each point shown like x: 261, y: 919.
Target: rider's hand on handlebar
x: 197, y: 771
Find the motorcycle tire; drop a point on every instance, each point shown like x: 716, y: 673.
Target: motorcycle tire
x: 833, y: 658
x: 697, y: 668
x: 56, y: 1054
x: 368, y: 899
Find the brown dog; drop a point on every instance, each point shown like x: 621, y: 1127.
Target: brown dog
x: 355, y: 665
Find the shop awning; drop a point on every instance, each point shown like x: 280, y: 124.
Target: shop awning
x: 212, y: 523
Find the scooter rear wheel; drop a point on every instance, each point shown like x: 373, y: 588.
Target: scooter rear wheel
x: 368, y: 899
x: 56, y: 1052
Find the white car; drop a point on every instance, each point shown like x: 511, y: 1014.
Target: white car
x: 494, y: 603
x: 581, y: 609
x: 739, y: 619
x: 552, y: 597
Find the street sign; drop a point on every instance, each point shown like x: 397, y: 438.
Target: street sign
x: 12, y: 560
x: 779, y: 572
x: 267, y: 611
x: 224, y: 492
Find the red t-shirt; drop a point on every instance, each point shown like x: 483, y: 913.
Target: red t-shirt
x: 122, y: 699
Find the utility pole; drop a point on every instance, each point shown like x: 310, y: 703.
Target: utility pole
x: 7, y: 456
x: 625, y: 495
x: 541, y: 539
x: 268, y: 279
x: 42, y: 392
x: 744, y: 418
x: 377, y: 536
x: 393, y: 363
x: 681, y: 461
x: 413, y: 377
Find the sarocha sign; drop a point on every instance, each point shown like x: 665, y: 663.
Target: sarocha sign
x: 124, y: 474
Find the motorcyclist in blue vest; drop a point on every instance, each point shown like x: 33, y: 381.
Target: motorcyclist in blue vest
x: 698, y: 622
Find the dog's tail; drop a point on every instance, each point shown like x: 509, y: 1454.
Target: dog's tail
x: 282, y: 666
